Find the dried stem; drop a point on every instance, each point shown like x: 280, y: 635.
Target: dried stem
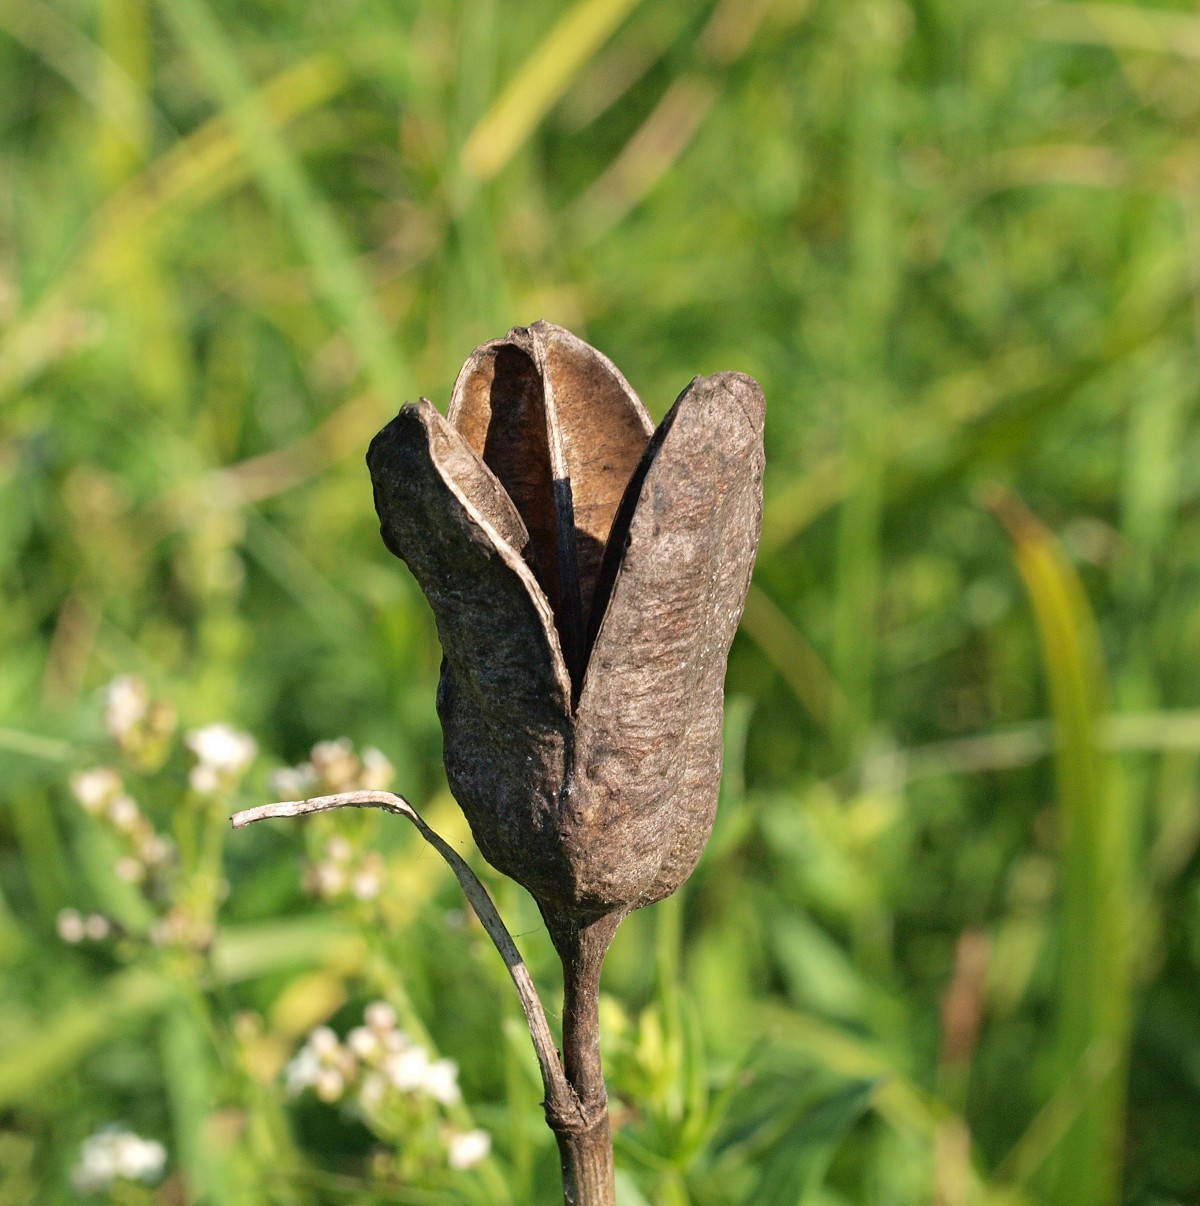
x: 585, y: 1147
x: 566, y: 1111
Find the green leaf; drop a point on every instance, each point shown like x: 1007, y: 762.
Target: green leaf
x: 1094, y: 989
x: 35, y: 1058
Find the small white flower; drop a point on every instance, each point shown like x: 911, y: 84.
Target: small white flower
x: 94, y: 788
x: 373, y: 1091
x: 380, y: 1016
x: 468, y: 1148
x: 126, y: 703
x: 441, y: 1082
x: 154, y: 850
x: 123, y: 813
x: 366, y: 884
x: 302, y: 1070
x: 377, y: 771
x: 325, y: 752
x: 293, y: 782
x: 408, y: 1069
x: 97, y: 1167
x: 329, y: 1084
x: 141, y: 1159
x: 70, y: 926
x: 113, y: 1154
x: 330, y: 879
x: 130, y: 869
x: 347, y: 1064
x: 335, y: 763
x: 363, y: 1042
x: 204, y: 780
x: 175, y: 928
x: 324, y: 1043
x: 222, y: 746
x: 339, y: 849
x: 395, y: 1040
x: 97, y: 927
x: 222, y: 753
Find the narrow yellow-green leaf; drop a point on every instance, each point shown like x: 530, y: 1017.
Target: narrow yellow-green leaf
x: 194, y: 171
x: 313, y: 224
x: 543, y: 78
x: 1119, y: 27
x: 202, y: 1150
x: 1094, y: 976
x: 874, y: 252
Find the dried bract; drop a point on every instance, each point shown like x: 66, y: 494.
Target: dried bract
x: 587, y: 574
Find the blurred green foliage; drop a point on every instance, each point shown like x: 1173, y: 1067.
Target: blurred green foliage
x: 959, y: 244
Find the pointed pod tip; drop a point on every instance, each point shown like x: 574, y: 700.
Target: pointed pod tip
x: 396, y: 429
x: 739, y: 389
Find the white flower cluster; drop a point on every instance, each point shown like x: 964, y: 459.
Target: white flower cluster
x: 344, y: 871
x: 126, y: 704
x: 74, y: 927
x: 333, y: 766
x: 145, y: 852
x: 376, y: 1057
x: 223, y: 755
x: 379, y: 1069
x: 140, y: 725
x: 467, y: 1148
x: 113, y: 1154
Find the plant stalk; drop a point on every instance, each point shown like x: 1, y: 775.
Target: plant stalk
x: 576, y: 1102
x: 585, y: 1144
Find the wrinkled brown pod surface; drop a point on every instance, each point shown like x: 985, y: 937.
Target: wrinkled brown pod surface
x: 587, y: 575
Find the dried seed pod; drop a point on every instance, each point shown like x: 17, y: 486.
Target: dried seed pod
x: 587, y: 574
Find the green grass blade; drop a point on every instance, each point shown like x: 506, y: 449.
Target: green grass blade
x: 313, y: 224
x: 872, y: 285
x: 35, y: 1058
x: 187, y: 1057
x: 194, y: 171
x: 542, y: 79
x: 1094, y: 972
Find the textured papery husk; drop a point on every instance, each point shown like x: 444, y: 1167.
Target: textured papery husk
x: 504, y: 698
x: 647, y: 757
x: 604, y: 806
x: 564, y: 432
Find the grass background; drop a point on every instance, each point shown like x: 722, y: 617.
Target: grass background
x: 945, y: 943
